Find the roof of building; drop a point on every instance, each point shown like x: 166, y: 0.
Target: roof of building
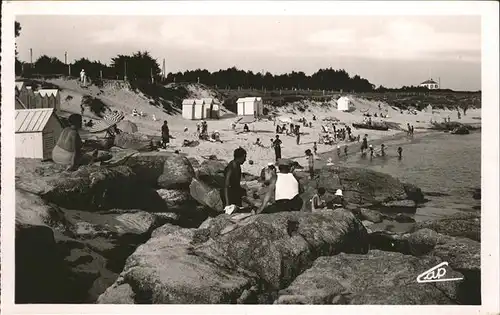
x: 249, y: 99
x: 198, y: 102
x: 32, y: 120
x: 188, y: 101
x: 49, y: 92
x: 343, y: 98
x: 429, y: 82
x: 19, y: 85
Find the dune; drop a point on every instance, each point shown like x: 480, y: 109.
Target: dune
x: 119, y: 96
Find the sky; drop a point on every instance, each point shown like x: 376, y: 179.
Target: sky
x: 392, y: 51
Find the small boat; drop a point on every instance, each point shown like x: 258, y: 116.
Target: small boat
x: 370, y: 126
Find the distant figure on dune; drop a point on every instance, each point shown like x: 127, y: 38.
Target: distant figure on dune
x: 68, y: 149
x: 400, y: 152
x: 83, y: 78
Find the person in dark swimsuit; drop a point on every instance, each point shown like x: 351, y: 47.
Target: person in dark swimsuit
x: 277, y: 147
x: 233, y: 192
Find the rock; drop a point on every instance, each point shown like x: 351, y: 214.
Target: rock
x: 460, y: 224
x: 462, y: 130
x: 360, y: 186
x: 375, y: 278
x: 162, y: 169
x: 477, y: 194
x: 414, y: 193
x: 391, y: 207
x: 422, y: 241
x: 404, y: 218
x: 211, y: 172
x: 389, y: 241
x: 222, y: 262
x: 133, y: 141
x: 117, y: 294
x: 176, y: 199
x: 370, y: 215
x: 90, y: 188
x: 38, y: 262
x: 206, y: 195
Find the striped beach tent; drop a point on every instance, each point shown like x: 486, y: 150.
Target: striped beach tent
x: 109, y: 120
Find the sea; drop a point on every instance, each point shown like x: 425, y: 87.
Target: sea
x: 446, y: 167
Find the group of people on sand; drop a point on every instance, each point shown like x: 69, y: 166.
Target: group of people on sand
x: 281, y: 183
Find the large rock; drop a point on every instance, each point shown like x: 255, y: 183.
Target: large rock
x: 133, y: 141
x: 162, y: 169
x: 87, y: 249
x: 360, y: 186
x: 233, y: 259
x: 460, y: 224
x: 375, y: 278
x: 90, y: 188
x: 211, y: 172
x: 206, y: 195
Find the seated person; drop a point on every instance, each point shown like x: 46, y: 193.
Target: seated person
x: 268, y: 173
x: 317, y: 202
x: 68, y: 149
x: 286, y: 189
x: 338, y: 200
x: 245, y: 128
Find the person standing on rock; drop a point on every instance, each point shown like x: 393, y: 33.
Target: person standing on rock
x: 310, y: 161
x: 286, y: 189
x: 277, y: 147
x: 233, y: 192
x: 165, y: 134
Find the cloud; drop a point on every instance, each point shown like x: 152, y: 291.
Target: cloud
x: 400, y: 40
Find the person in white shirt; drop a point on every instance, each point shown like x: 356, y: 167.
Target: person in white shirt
x: 286, y: 189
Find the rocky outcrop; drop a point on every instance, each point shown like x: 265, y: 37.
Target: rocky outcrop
x: 90, y: 188
x: 233, y: 259
x: 162, y: 169
x: 361, y: 187
x: 375, y: 278
x: 460, y: 224
x: 78, y: 253
x: 133, y: 141
x: 207, y: 196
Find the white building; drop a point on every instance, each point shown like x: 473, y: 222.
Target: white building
x: 430, y: 84
x: 37, y: 131
x: 188, y: 109
x: 200, y: 108
x: 343, y: 103
x: 250, y: 106
x: 43, y: 98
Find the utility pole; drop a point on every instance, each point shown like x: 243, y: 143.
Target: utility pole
x: 125, y: 76
x: 66, y: 57
x: 31, y: 56
x: 164, y: 74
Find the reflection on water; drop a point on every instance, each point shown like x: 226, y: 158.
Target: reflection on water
x: 448, y: 166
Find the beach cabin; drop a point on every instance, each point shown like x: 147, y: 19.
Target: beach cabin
x: 343, y: 103
x: 250, y: 106
x: 51, y: 98
x: 37, y: 131
x: 211, y: 108
x: 188, y: 108
x: 198, y: 109
x: 25, y: 94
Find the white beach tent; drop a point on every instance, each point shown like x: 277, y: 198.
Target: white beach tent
x: 343, y: 103
x: 188, y: 108
x: 250, y: 106
x: 37, y: 131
